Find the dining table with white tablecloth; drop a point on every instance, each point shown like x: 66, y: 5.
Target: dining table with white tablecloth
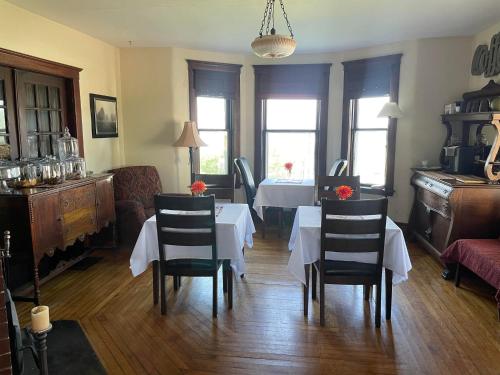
x: 234, y: 228
x: 305, y: 247
x: 283, y: 193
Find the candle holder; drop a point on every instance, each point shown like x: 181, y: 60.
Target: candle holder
x: 40, y: 342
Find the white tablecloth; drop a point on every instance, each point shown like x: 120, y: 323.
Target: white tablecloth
x: 282, y: 193
x: 234, y: 227
x: 305, y: 246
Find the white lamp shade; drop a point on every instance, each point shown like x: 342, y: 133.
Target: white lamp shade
x: 190, y: 136
x: 391, y: 109
x: 274, y: 46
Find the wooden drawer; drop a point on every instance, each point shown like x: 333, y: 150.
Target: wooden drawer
x: 431, y: 226
x: 46, y: 225
x: 434, y: 202
x: 78, y: 213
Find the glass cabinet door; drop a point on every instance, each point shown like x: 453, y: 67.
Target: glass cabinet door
x: 8, y: 139
x: 42, y: 113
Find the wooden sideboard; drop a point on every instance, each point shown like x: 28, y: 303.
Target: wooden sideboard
x: 446, y: 209
x: 44, y: 220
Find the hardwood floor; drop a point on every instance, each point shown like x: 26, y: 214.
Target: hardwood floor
x: 435, y: 328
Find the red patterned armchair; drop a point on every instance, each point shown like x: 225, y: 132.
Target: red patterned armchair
x: 135, y: 188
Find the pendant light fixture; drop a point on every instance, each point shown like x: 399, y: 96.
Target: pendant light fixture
x: 271, y: 45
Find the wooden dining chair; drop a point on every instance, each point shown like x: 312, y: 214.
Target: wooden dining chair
x: 326, y: 185
x: 351, y: 226
x: 220, y: 185
x: 246, y: 176
x: 188, y: 221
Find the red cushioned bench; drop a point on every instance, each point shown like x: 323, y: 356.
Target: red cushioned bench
x: 481, y: 256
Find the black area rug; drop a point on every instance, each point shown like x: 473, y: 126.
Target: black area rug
x: 85, y: 263
x: 69, y: 352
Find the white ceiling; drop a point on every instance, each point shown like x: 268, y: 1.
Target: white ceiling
x: 230, y: 25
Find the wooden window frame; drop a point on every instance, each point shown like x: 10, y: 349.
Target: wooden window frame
x: 19, y: 61
x: 291, y: 82
x: 393, y: 63
x: 233, y: 122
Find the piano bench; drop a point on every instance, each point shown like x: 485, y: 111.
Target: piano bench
x: 481, y: 256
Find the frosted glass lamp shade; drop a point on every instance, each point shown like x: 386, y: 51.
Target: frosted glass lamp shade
x: 190, y: 136
x: 273, y: 46
x: 391, y: 109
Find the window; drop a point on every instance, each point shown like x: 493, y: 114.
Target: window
x: 369, y: 142
x: 214, y: 128
x: 369, y: 156
x: 214, y: 106
x: 291, y: 107
x: 291, y: 134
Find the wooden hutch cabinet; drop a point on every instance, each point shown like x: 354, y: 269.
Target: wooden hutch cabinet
x: 448, y: 205
x: 38, y: 99
x: 44, y: 220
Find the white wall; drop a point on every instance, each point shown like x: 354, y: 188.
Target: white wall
x: 432, y: 74
x: 484, y: 37
x: 152, y: 88
x: 31, y: 34
x: 156, y: 105
x: 155, y: 90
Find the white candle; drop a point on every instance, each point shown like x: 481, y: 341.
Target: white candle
x: 40, y: 318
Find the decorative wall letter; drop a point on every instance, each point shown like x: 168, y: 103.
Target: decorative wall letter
x: 486, y: 60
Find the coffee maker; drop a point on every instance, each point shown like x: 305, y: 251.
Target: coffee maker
x: 458, y: 159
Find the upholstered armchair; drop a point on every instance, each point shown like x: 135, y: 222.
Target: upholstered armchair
x: 135, y: 188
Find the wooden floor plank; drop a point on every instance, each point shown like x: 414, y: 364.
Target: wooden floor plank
x: 435, y: 327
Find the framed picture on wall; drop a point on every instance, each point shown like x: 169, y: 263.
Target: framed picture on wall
x: 104, y: 116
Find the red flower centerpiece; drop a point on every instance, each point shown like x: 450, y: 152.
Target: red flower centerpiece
x: 288, y: 166
x: 198, y: 187
x: 344, y: 192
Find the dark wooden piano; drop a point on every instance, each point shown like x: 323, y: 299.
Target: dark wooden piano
x: 448, y: 207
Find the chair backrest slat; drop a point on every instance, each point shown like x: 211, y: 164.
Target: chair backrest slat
x: 353, y: 226
x: 361, y: 226
x: 176, y: 219
x: 219, y: 180
x: 185, y: 239
x: 326, y: 185
x: 351, y: 245
x: 222, y: 185
x: 185, y: 221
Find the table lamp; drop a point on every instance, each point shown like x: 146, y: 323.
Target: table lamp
x: 391, y: 109
x: 190, y: 138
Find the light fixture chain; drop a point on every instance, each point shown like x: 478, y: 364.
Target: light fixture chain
x: 286, y: 18
x: 265, y: 17
x: 273, y: 13
x: 270, y: 15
